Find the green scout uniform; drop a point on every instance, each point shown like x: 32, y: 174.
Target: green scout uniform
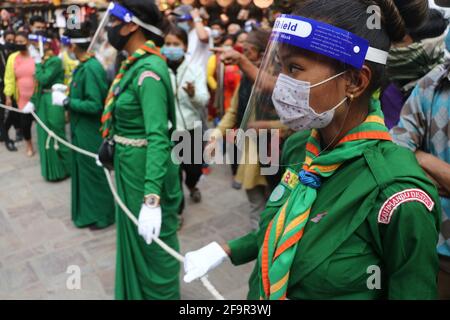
x: 55, y: 158
x: 145, y: 110
x: 344, y: 242
x: 92, y: 200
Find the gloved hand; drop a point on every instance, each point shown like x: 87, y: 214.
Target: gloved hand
x: 29, y: 107
x: 149, y: 223
x: 98, y: 162
x: 59, y: 87
x: 59, y: 99
x: 199, y: 263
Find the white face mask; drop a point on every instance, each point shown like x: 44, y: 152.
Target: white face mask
x: 291, y: 100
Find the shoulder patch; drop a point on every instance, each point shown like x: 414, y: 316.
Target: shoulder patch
x: 148, y: 74
x: 409, y: 195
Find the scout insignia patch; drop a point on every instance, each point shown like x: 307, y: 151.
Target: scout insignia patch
x: 277, y: 193
x: 409, y: 195
x: 290, y: 179
x: 147, y: 74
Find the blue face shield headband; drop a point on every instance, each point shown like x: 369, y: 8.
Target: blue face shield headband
x: 325, y: 39
x: 124, y: 15
x: 66, y: 41
x: 38, y: 38
x: 184, y: 17
x: 127, y: 16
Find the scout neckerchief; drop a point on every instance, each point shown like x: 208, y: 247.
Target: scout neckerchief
x: 286, y: 229
x: 146, y: 48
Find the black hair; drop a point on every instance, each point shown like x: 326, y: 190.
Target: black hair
x: 83, y: 32
x: 229, y: 37
x: 179, y: 33
x: 219, y: 23
x: 259, y: 38
x: 148, y: 12
x: 236, y: 35
x: 36, y: 18
x: 8, y: 32
x: 352, y: 15
x: 434, y: 26
x: 22, y: 34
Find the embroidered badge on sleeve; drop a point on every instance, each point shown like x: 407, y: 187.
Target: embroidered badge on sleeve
x: 409, y: 195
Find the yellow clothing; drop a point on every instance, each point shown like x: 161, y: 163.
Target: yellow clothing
x: 249, y: 173
x: 11, y: 89
x: 211, y: 72
x: 69, y: 67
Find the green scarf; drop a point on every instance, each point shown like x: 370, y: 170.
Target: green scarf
x: 147, y: 48
x: 286, y: 229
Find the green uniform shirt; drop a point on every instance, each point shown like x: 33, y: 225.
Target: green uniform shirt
x: 92, y: 201
x: 55, y: 162
x: 344, y: 244
x: 145, y: 110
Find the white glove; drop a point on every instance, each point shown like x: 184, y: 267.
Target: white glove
x: 149, y: 223
x: 199, y: 263
x: 29, y: 107
x: 59, y: 87
x: 58, y: 98
x: 97, y: 161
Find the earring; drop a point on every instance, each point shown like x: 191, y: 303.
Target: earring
x: 351, y: 97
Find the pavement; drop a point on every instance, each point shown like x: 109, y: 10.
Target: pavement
x: 39, y: 243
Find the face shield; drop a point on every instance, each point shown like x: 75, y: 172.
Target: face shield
x: 38, y: 41
x: 67, y: 41
x: 117, y: 12
x: 298, y: 86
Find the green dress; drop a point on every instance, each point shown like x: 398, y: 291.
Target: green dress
x: 92, y: 200
x: 345, y: 246
x: 144, y: 110
x: 55, y: 158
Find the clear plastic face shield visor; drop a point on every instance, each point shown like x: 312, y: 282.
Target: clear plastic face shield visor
x: 38, y: 41
x: 67, y: 41
x: 117, y: 12
x: 298, y: 86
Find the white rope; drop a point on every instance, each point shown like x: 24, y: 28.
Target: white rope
x: 206, y: 283
x: 164, y: 246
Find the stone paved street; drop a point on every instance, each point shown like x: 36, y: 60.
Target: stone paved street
x: 38, y: 240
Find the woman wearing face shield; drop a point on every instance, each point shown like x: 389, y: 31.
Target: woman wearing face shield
x: 140, y: 117
x: 92, y: 201
x: 354, y: 216
x: 55, y: 158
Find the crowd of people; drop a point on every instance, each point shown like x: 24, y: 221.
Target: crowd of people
x: 127, y: 85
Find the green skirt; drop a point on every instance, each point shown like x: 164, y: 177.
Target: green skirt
x: 55, y: 158
x: 144, y: 271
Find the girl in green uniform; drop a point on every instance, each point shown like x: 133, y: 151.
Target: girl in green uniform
x: 354, y: 216
x: 140, y: 116
x: 55, y: 158
x: 92, y: 201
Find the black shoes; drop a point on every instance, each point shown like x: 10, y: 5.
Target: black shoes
x: 10, y: 146
x: 196, y: 196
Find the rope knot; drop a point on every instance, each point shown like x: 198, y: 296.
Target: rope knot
x: 309, y: 179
